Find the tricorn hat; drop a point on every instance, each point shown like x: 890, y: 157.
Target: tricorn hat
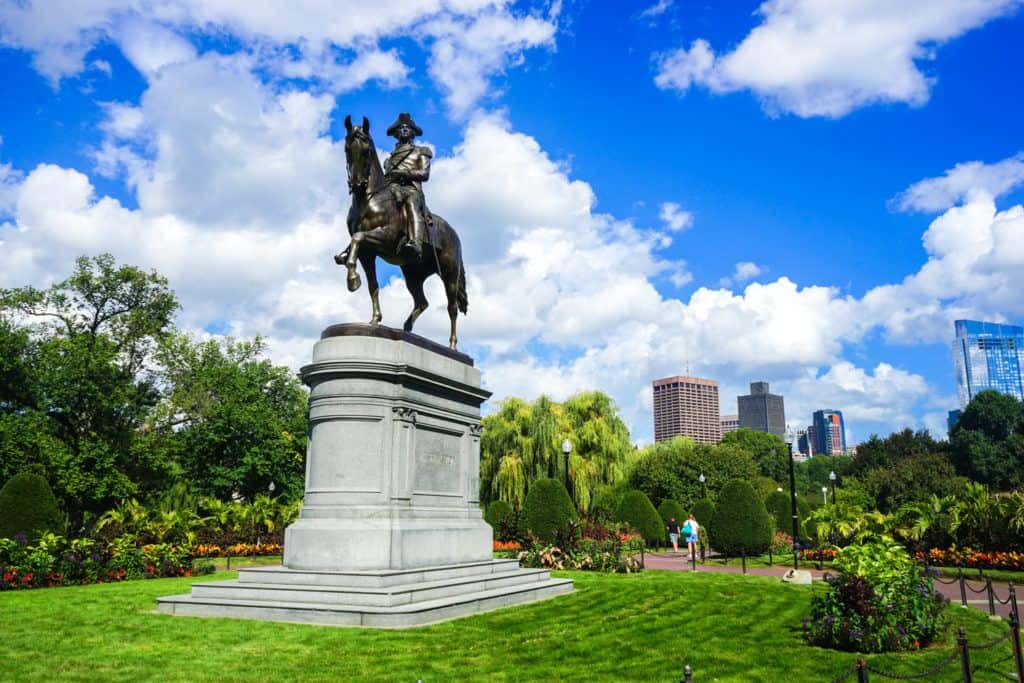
x: 406, y: 119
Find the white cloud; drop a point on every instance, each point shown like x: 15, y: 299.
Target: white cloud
x: 470, y: 41
x: 657, y: 9
x: 814, y: 58
x: 674, y: 217
x: 744, y: 271
x: 961, y: 181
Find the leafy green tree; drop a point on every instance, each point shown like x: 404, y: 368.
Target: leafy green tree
x: 636, y: 509
x: 671, y: 509
x: 522, y: 442
x: 232, y: 420
x: 27, y: 506
x: 879, y: 453
x: 913, y: 479
x: 779, y: 507
x: 671, y: 469
x: 987, y: 443
x: 741, y: 525
x: 768, y: 451
x: 547, y: 509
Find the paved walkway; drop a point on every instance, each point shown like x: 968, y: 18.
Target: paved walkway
x: 680, y: 562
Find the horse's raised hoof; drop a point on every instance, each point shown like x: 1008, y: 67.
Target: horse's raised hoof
x: 354, y: 281
x: 341, y: 257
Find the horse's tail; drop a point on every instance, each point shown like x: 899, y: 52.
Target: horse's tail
x: 462, y: 298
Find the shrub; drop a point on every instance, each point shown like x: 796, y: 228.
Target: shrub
x: 636, y: 509
x: 502, y: 519
x: 879, y: 602
x: 27, y: 506
x: 778, y: 505
x: 615, y: 554
x: 741, y: 525
x: 547, y: 509
x: 704, y: 512
x: 671, y: 508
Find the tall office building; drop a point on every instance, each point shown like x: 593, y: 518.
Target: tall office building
x: 762, y: 410
x: 829, y: 432
x: 988, y: 356
x: 805, y: 441
x: 686, y: 406
x: 730, y: 423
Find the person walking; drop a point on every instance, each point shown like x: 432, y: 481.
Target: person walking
x: 691, y: 529
x: 673, y: 533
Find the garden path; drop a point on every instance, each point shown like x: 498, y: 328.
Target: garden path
x: 680, y: 562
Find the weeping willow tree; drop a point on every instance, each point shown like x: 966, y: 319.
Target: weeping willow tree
x: 522, y: 442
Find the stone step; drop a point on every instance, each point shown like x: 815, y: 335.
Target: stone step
x: 401, y: 616
x: 381, y: 578
x: 381, y: 597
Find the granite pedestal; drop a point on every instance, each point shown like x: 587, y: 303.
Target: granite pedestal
x: 391, y: 533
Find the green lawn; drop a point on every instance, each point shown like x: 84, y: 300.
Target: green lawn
x: 613, y: 628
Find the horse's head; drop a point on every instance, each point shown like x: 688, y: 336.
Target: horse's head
x: 358, y: 153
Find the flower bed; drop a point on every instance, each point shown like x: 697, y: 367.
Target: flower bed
x: 973, y: 559
x: 506, y: 546
x: 57, y: 561
x: 237, y: 550
x: 819, y: 554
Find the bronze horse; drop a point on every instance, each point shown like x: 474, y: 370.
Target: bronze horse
x: 374, y: 222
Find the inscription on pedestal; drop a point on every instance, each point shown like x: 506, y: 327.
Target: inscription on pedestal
x: 437, y: 462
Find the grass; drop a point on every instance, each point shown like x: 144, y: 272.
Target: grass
x: 974, y: 576
x: 613, y: 628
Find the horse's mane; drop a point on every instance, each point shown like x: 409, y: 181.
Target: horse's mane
x: 376, y: 181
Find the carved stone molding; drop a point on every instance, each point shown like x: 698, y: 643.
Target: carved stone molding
x: 404, y: 413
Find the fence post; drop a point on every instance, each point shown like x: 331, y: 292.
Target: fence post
x: 965, y: 656
x: 770, y: 556
x: 963, y: 589
x: 743, y: 561
x: 862, y: 671
x: 991, y: 598
x: 687, y: 675
x: 693, y: 561
x: 643, y: 564
x: 1014, y: 614
x: 1018, y: 658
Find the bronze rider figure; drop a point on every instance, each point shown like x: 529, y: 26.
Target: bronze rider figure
x: 406, y: 170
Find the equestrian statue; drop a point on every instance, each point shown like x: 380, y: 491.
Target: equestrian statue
x: 389, y: 218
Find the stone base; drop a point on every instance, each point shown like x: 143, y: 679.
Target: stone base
x: 798, y: 576
x: 375, y: 599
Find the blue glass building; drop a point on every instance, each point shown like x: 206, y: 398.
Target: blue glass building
x: 988, y: 356
x: 829, y: 432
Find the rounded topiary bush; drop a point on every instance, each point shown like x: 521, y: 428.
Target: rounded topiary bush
x: 27, y: 506
x: 672, y: 508
x: 779, y: 507
x: 547, y: 509
x: 502, y: 519
x: 703, y: 511
x: 636, y: 509
x: 741, y: 525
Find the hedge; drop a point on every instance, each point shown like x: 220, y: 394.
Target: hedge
x: 27, y: 506
x: 741, y: 525
x: 672, y: 508
x: 547, y: 509
x: 636, y: 509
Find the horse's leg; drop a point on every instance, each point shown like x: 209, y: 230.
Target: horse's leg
x: 369, y: 261
x: 350, y: 262
x: 451, y: 290
x: 414, y: 283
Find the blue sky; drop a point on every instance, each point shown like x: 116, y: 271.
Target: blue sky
x: 759, y: 191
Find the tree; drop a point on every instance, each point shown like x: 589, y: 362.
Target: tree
x: 877, y: 452
x: 741, y: 525
x: 232, y: 420
x: 522, y: 442
x: 779, y: 507
x: 671, y: 509
x: 636, y: 509
x: 768, y: 451
x: 547, y: 509
x: 987, y: 443
x: 90, y: 341
x: 671, y: 469
x: 27, y: 506
x: 914, y: 479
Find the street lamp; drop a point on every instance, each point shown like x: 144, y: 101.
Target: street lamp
x: 832, y: 481
x: 790, y: 437
x: 567, y: 449
x: 701, y: 479
x: 824, y: 495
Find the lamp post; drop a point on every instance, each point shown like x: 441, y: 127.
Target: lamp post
x: 824, y: 495
x: 272, y: 487
x: 702, y: 479
x: 832, y: 481
x: 703, y: 492
x: 792, y: 498
x: 567, y: 449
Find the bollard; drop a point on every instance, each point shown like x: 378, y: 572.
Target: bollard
x: 862, y: 671
x: 1018, y: 658
x: 963, y: 589
x: 991, y: 598
x: 965, y: 656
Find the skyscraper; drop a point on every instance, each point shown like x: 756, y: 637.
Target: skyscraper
x: 762, y: 410
x: 988, y: 356
x: 730, y: 423
x: 686, y: 406
x: 805, y: 441
x: 829, y: 432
